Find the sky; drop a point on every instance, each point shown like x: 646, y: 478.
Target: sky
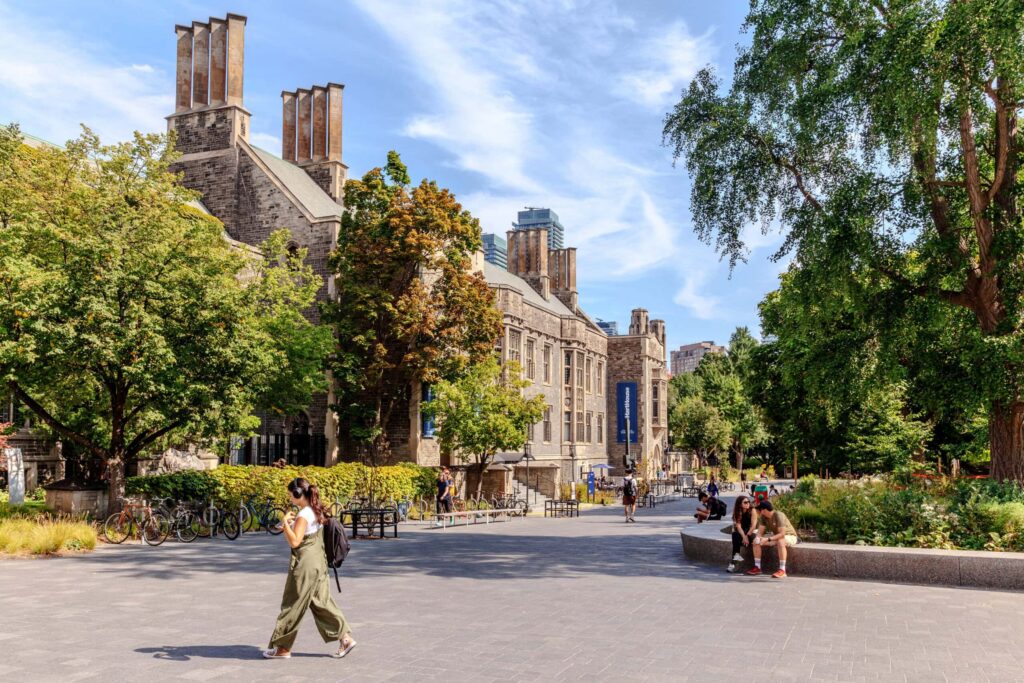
x: 510, y: 103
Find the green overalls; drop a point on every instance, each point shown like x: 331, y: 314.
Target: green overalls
x: 307, y: 587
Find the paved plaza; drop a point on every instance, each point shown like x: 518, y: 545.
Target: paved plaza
x: 533, y: 600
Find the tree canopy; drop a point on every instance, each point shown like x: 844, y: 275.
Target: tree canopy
x: 127, y: 321
x: 408, y: 307
x: 883, y: 137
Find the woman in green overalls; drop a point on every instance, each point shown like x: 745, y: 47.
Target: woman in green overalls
x: 307, y: 586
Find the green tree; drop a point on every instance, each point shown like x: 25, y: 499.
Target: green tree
x: 724, y: 385
x: 127, y: 322
x: 883, y: 135
x: 700, y: 427
x: 484, y: 412
x: 408, y: 308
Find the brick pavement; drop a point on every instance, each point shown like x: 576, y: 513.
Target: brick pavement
x: 533, y: 600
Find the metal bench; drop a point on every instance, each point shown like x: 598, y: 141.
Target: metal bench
x: 370, y: 520
x: 561, y: 508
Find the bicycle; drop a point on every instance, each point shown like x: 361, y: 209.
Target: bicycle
x: 266, y: 516
x: 154, y: 528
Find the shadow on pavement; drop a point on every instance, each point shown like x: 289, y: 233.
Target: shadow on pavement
x: 185, y: 653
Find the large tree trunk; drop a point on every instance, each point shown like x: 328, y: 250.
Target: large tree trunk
x: 481, y: 466
x: 115, y: 483
x: 1006, y: 442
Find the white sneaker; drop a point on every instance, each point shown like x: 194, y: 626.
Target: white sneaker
x: 732, y: 567
x: 737, y: 558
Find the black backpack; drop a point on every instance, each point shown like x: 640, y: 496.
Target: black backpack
x: 629, y: 488
x: 336, y: 546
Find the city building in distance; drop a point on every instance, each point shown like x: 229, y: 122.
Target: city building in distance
x: 610, y: 327
x: 532, y: 218
x: 495, y: 250
x: 687, y: 357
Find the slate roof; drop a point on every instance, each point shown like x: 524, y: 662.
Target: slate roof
x: 311, y: 196
x: 496, y: 275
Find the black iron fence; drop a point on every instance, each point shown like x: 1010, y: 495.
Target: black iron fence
x: 266, y: 449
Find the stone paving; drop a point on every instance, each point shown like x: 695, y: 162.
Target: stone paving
x: 533, y: 600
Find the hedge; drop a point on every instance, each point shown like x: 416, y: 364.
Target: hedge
x: 230, y: 484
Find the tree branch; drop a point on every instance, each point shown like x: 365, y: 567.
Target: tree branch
x: 143, y: 440
x: 53, y: 422
x: 958, y: 298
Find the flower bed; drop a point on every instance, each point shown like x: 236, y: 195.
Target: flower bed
x: 909, y: 512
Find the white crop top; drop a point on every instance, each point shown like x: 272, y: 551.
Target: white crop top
x: 312, y: 526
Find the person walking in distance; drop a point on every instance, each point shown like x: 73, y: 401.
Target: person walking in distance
x: 307, y: 586
x: 444, y: 494
x: 630, y: 490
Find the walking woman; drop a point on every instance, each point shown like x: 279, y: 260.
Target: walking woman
x: 307, y: 586
x: 744, y: 524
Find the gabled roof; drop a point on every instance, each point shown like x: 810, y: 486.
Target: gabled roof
x: 311, y: 197
x: 496, y: 275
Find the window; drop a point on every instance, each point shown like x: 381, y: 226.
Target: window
x: 654, y: 402
x: 568, y: 368
x: 600, y: 428
x: 579, y: 427
x: 590, y: 432
x: 600, y: 378
x: 531, y: 372
x: 567, y: 426
x: 579, y: 370
x: 427, y: 427
x: 515, y: 337
x: 547, y: 424
x: 547, y: 364
x: 590, y: 371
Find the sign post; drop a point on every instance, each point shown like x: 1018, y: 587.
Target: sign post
x: 15, y: 475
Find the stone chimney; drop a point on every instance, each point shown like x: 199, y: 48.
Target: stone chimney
x: 528, y: 258
x: 311, y: 134
x: 658, y: 330
x: 562, y: 269
x: 208, y: 113
x: 638, y: 323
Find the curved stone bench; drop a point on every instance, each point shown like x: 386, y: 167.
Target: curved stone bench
x: 707, y: 543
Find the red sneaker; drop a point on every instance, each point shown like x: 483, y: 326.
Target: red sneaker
x: 781, y: 574
x: 753, y: 571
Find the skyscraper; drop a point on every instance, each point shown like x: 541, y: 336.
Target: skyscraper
x: 495, y: 250
x: 533, y: 217
x: 610, y: 327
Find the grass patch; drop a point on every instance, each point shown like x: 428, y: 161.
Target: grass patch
x: 45, y: 536
x: 32, y: 508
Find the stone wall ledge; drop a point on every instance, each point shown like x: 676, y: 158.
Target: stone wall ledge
x: 971, y: 568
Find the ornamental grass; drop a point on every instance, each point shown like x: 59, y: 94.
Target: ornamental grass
x: 44, y: 535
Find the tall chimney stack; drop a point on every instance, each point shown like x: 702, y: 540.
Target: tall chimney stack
x: 236, y: 57
x: 200, y: 64
x: 288, y: 126
x: 334, y: 91
x: 319, y: 123
x: 218, y: 61
x: 304, y: 127
x: 183, y: 76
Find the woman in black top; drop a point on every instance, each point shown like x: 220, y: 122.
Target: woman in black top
x: 744, y: 524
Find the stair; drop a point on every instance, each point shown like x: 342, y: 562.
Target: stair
x: 535, y: 498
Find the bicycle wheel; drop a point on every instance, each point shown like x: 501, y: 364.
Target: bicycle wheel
x: 117, y: 527
x: 230, y: 526
x: 186, y: 527
x: 155, y: 529
x: 273, y: 520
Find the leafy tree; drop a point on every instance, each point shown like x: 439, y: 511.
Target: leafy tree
x: 699, y: 426
x: 408, y: 308
x: 127, y: 322
x: 484, y: 412
x: 723, y: 385
x: 880, y: 437
x: 883, y: 135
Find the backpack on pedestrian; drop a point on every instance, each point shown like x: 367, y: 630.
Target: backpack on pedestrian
x: 629, y: 488
x: 336, y: 546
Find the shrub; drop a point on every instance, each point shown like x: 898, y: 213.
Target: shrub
x: 45, y: 535
x: 230, y: 484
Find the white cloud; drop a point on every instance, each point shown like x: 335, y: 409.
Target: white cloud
x: 271, y: 143
x: 692, y: 296
x: 665, y: 64
x: 49, y: 84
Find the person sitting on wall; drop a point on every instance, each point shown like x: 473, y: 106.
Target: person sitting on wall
x: 710, y: 508
x: 774, y: 529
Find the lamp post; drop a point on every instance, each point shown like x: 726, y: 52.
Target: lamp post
x: 527, y: 457
x: 572, y: 479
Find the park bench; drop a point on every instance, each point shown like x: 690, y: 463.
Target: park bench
x: 561, y: 508
x: 448, y: 519
x: 370, y: 520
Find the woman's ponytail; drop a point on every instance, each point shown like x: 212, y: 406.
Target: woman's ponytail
x: 302, y: 488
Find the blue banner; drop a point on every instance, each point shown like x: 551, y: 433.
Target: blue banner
x: 590, y: 483
x: 626, y: 404
x: 426, y: 396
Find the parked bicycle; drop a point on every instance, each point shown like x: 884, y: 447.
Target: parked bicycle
x: 253, y: 516
x: 154, y: 528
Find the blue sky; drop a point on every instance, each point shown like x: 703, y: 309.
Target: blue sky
x: 555, y: 103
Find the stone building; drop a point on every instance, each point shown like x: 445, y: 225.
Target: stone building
x: 254, y: 192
